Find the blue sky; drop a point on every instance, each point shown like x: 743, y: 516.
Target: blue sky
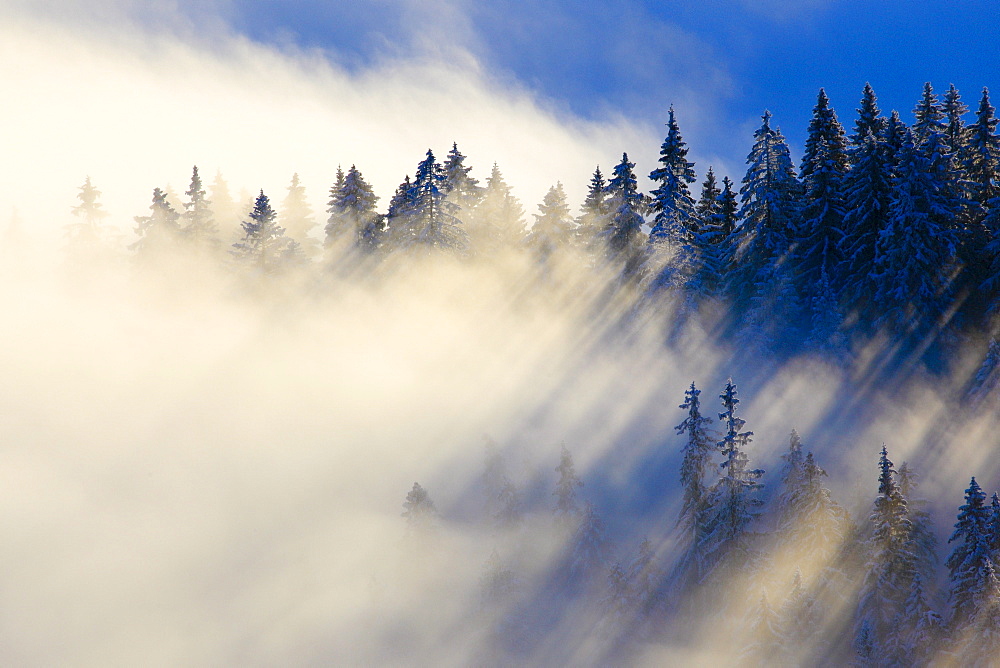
x: 546, y: 90
x: 720, y: 61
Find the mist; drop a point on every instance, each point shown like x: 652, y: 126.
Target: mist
x: 203, y: 464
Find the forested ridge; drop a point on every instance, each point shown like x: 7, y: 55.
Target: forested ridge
x: 878, y: 256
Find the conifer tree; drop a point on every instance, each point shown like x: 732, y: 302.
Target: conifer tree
x: 867, y: 196
x: 200, y: 227
x: 498, y: 219
x: 971, y: 560
x: 677, y: 237
x: 595, y: 212
x: 498, y: 583
x: 708, y: 202
x: 920, y: 627
x: 418, y: 509
x: 672, y: 205
x: 643, y: 577
x: 264, y: 246
x: 791, y: 478
x: 994, y: 527
x: 981, y: 166
x: 553, y: 228
x: 729, y: 210
x: 923, y: 539
x: 891, y: 563
x: 157, y: 232
x: 716, y: 214
x: 697, y: 458
x: 758, y: 274
x: 956, y: 134
x: 590, y: 550
x: 982, y: 162
x: 352, y: 212
x: 928, y: 116
x: 429, y: 220
x: 798, y: 614
x: 508, y: 515
x: 91, y: 214
x: 618, y: 602
x: 767, y: 643
x: 297, y: 218
x: 459, y: 185
x: 336, y: 226
x: 623, y: 233
x: 914, y: 256
x: 224, y: 209
x: 870, y: 122
x: 735, y: 497
x: 824, y: 165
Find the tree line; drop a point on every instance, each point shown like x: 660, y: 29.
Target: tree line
x: 790, y: 574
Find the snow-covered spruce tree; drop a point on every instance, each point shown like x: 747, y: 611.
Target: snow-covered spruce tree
x: 509, y: 511
x: 894, y: 135
x: 264, y: 247
x: 419, y: 510
x: 429, y: 221
x: 498, y: 584
x: 697, y: 458
x: 799, y: 614
x: 928, y: 116
x: 459, y: 185
x: 716, y: 220
x: 867, y: 195
x: 955, y: 132
x: 924, y: 541
x: 554, y: 227
x: 708, y: 202
x: 498, y: 219
x: 676, y: 237
x: 353, y: 218
x: 159, y: 231
x: 810, y: 523
x: 643, y: 578
x: 790, y: 479
x: 820, y: 228
x: 626, y: 243
x: 672, y: 205
x: 400, y: 205
x: 914, y: 260
x: 735, y: 498
x: 590, y: 550
x: 766, y: 646
x: 199, y: 221
x: 617, y: 603
x: 728, y: 216
x: 891, y: 563
x: 982, y: 159
x: 567, y: 506
x: 224, y: 209
x: 298, y: 219
x: 759, y: 279
x: 994, y: 527
x: 869, y: 123
x: 595, y: 212
x: 336, y: 227
x: 967, y: 564
x: 920, y: 628
x: 91, y: 214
